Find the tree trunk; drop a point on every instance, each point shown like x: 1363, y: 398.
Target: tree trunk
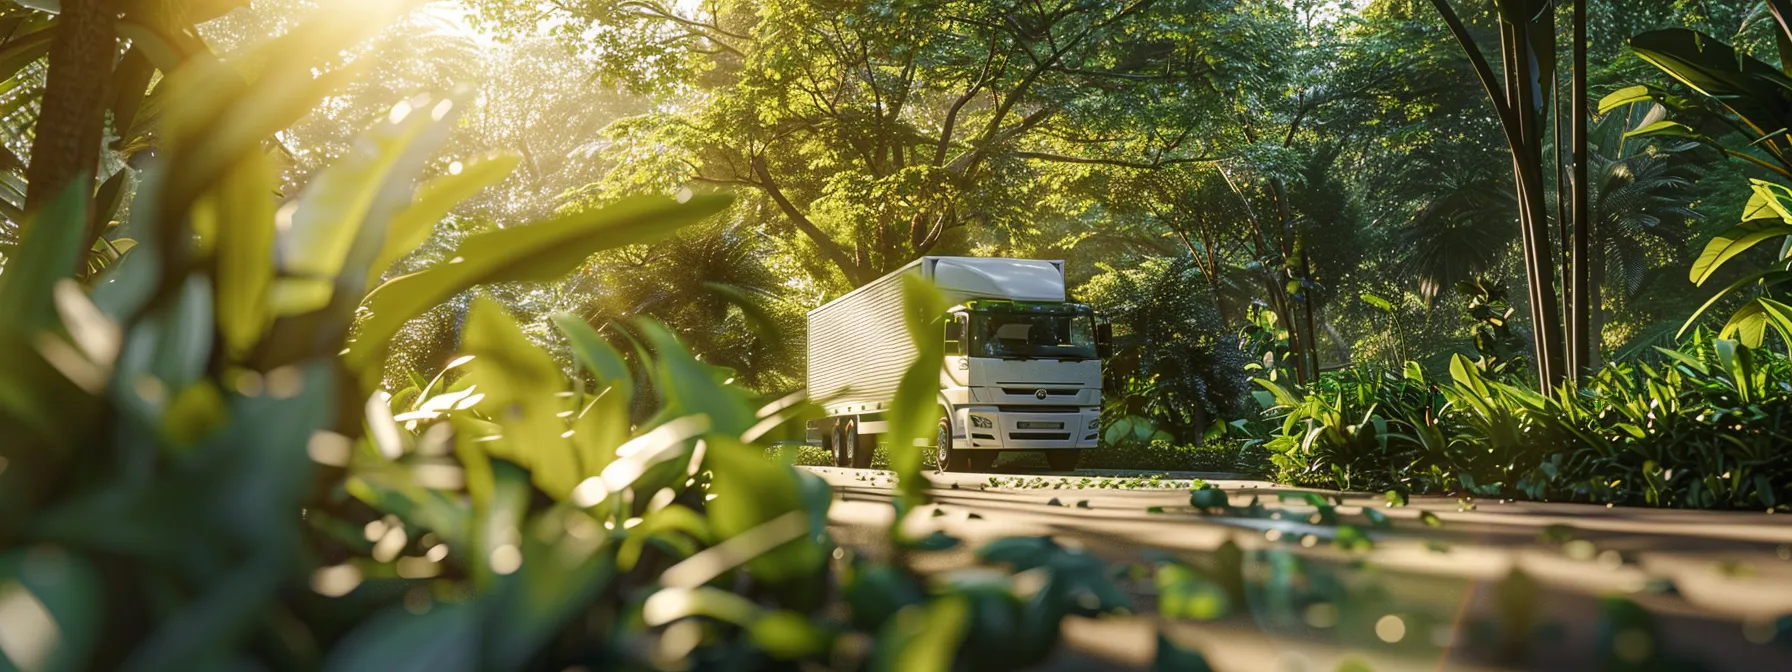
x: 70, y: 126
x: 1583, y: 350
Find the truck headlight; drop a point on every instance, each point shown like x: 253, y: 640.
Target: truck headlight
x: 982, y: 422
x: 1094, y: 423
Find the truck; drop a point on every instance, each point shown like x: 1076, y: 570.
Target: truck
x: 1021, y: 369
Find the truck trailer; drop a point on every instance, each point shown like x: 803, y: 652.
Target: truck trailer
x: 1021, y: 371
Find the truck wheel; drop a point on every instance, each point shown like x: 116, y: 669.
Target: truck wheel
x: 837, y: 444
x: 944, y: 457
x: 1062, y: 460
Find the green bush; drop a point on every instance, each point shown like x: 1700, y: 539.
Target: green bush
x: 1703, y: 426
x: 1228, y: 456
x: 1172, y: 362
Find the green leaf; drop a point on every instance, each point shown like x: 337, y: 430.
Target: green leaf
x: 914, y: 413
x: 49, y: 250
x: 1667, y: 129
x: 1778, y: 315
x: 412, y: 226
x: 1747, y: 325
x: 924, y: 638
x: 595, y: 355
x: 55, y: 607
x: 521, y: 379
x: 1767, y: 278
x: 787, y: 635
x: 444, y: 638
x: 1173, y: 658
x: 1209, y: 498
x: 243, y: 208
x: 1430, y: 519
x: 536, y: 252
x: 221, y: 117
x: 1625, y: 96
x: 1376, y: 518
x: 1184, y: 593
x: 1753, y: 90
x: 1379, y: 303
x: 1764, y: 203
x: 338, y: 226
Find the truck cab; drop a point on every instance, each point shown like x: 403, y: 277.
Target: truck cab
x: 1021, y: 375
x: 1021, y: 368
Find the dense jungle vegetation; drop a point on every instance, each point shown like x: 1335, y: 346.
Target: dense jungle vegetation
x: 507, y: 298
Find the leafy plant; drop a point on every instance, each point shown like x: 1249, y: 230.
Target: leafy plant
x: 1743, y: 97
x: 198, y: 470
x: 1697, y: 430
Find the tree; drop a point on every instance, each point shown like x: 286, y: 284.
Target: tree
x: 1521, y: 100
x: 879, y: 132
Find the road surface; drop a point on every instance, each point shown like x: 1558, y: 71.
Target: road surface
x: 1436, y: 584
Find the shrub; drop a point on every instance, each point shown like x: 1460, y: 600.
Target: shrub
x: 1173, y: 362
x: 1703, y: 427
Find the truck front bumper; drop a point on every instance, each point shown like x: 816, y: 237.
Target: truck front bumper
x: 990, y: 428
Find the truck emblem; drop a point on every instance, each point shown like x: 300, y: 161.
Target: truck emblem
x: 1039, y: 394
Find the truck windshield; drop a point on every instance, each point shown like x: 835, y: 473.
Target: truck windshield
x: 1032, y: 335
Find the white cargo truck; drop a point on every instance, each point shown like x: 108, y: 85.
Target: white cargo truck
x: 1022, y: 366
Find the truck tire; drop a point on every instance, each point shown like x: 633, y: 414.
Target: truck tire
x: 1062, y: 460
x: 945, y: 458
x: 852, y: 449
x: 836, y: 444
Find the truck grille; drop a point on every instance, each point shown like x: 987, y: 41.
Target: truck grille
x: 1029, y: 391
x: 1012, y: 408
x: 1039, y: 436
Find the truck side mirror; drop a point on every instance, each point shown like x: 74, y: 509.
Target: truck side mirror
x: 954, y: 335
x: 1104, y: 340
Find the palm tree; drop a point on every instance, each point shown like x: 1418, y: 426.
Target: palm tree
x: 1640, y: 194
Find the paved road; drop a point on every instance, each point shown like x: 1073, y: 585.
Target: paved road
x: 1447, y: 584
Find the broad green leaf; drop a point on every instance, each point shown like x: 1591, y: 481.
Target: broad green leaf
x: 1753, y: 90
x: 1765, y: 203
x: 49, y: 250
x: 1779, y: 316
x: 1183, y: 593
x: 688, y: 386
x: 1747, y: 325
x: 915, y: 411
x: 221, y: 117
x: 536, y: 252
x: 1667, y: 129
x: 55, y: 610
x: 596, y: 356
x: 331, y: 235
x: 32, y: 42
x: 520, y: 379
x: 243, y: 207
x: 445, y: 638
x: 1737, y: 241
x: 412, y: 226
x: 1379, y: 303
x: 1625, y: 96
x: 1767, y: 278
x: 924, y: 638
x: 751, y: 491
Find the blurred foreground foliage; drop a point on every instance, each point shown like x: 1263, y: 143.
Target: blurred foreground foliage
x: 199, y: 469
